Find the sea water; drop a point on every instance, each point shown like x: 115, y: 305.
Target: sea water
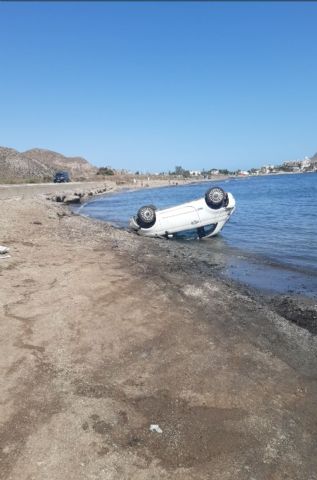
x: 270, y: 241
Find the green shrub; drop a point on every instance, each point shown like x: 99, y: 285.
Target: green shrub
x: 105, y: 171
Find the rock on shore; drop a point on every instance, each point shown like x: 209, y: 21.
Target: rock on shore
x: 76, y: 196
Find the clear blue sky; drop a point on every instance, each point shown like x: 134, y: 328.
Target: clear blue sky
x: 147, y: 86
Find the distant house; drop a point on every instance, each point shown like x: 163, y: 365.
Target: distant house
x: 313, y: 162
x: 293, y: 163
x: 195, y: 173
x: 306, y: 163
x: 297, y: 165
x: 214, y: 171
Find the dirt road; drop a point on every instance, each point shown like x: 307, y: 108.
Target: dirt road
x: 104, y: 334
x: 32, y: 189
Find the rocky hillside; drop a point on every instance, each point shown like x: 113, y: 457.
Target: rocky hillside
x: 314, y: 158
x: 40, y: 164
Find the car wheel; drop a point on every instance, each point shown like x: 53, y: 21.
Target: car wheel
x: 215, y: 197
x: 146, y: 216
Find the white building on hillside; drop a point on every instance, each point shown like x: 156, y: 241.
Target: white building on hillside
x: 306, y: 163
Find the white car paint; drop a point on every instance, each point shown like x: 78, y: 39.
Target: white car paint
x: 187, y: 216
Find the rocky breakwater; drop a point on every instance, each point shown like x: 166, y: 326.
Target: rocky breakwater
x: 77, y: 196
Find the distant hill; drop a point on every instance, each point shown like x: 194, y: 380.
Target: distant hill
x: 40, y: 164
x: 314, y: 158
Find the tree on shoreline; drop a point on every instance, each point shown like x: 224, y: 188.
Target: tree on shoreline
x: 180, y: 172
x: 105, y: 171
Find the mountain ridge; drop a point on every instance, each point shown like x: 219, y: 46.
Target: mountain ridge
x: 40, y: 163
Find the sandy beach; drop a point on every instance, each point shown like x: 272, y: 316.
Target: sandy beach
x: 105, y: 334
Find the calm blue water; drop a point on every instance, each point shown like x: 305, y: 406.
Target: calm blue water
x: 275, y: 224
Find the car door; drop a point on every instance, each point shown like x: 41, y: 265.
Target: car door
x: 176, y: 219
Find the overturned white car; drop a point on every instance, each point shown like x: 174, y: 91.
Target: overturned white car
x: 200, y: 218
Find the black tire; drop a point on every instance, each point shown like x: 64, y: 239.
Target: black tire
x: 215, y: 197
x: 146, y: 216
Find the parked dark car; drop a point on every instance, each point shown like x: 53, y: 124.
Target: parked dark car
x: 61, y: 177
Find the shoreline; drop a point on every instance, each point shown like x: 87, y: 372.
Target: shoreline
x: 242, y: 266
x: 106, y: 333
x: 295, y: 300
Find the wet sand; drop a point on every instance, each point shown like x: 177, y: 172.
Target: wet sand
x: 104, y: 333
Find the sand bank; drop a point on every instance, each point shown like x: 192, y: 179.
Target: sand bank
x: 105, y: 333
